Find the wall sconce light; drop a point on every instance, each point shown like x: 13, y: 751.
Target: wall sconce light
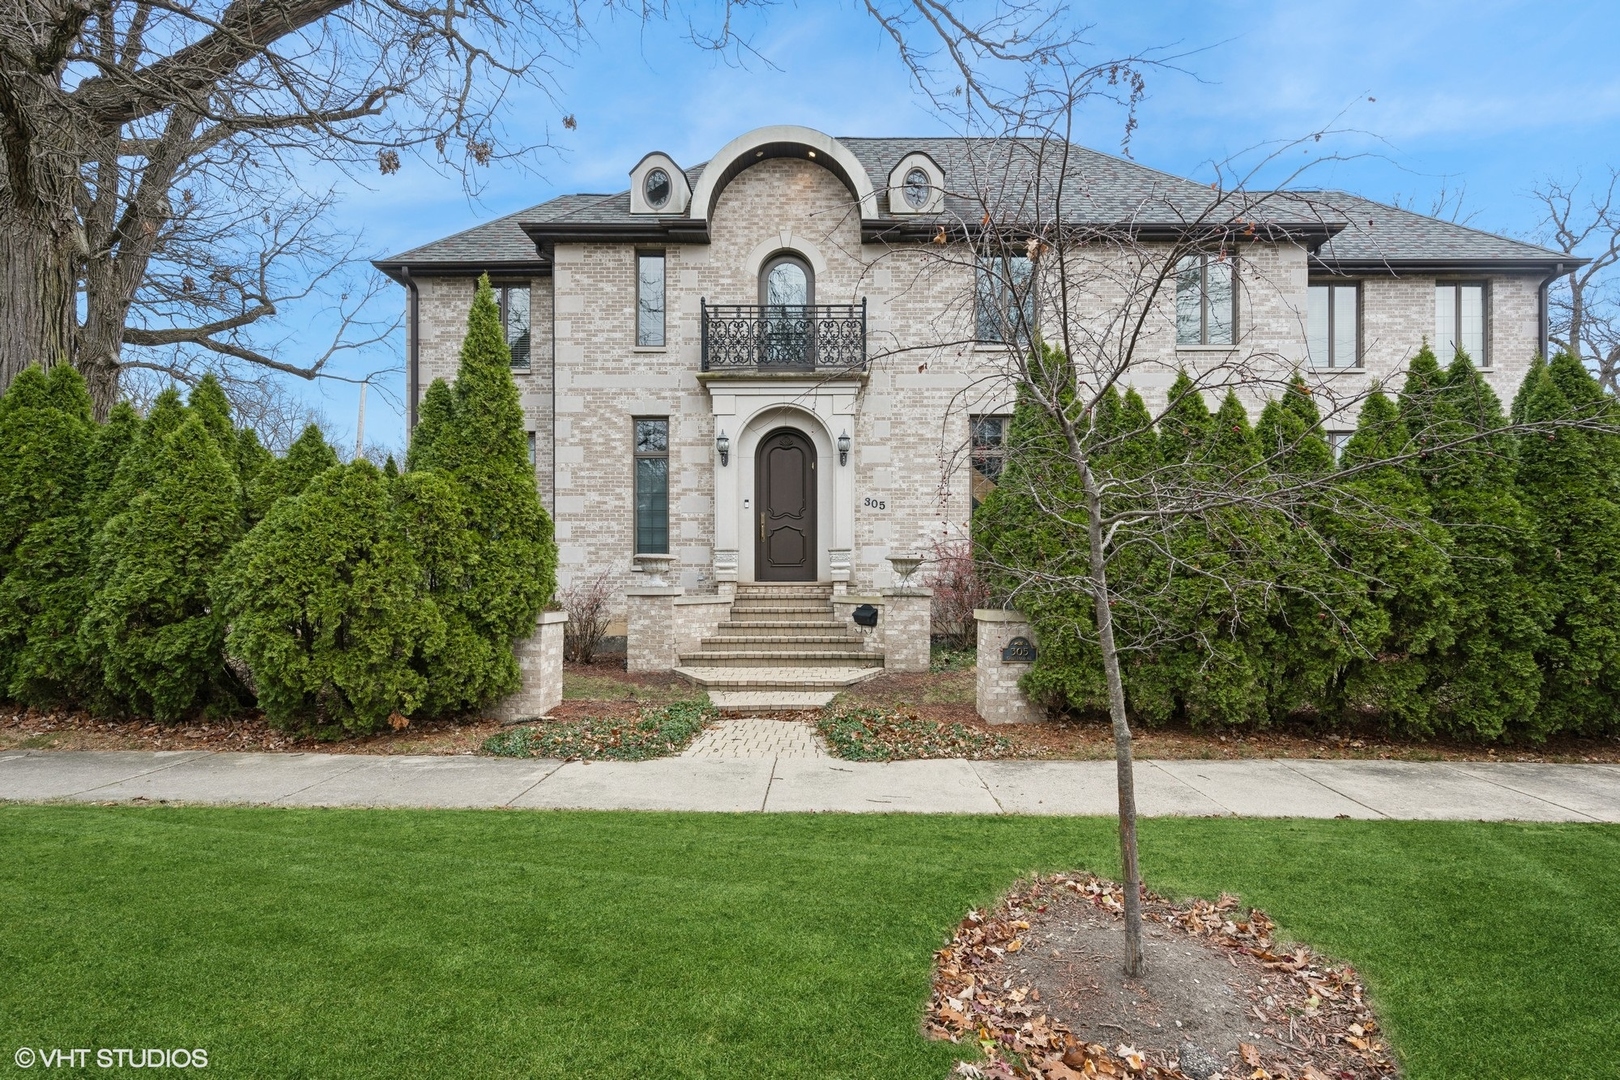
x: 722, y: 443
x: 843, y: 448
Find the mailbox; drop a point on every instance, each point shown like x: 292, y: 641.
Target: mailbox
x: 865, y: 615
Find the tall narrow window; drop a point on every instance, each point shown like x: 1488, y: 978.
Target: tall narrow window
x: 1459, y: 321
x: 1333, y: 325
x: 514, y: 304
x: 1337, y: 441
x: 1206, y: 301
x: 534, y: 448
x: 652, y: 486
x: 1005, y: 307
x: 988, y: 446
x: 650, y: 298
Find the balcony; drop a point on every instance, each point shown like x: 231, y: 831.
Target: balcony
x: 784, y: 338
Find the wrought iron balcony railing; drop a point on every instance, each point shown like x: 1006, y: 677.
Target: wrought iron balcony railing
x: 784, y: 337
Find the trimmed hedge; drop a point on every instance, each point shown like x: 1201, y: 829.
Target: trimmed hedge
x: 1491, y: 610
x: 170, y: 565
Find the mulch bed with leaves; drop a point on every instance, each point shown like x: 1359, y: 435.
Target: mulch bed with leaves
x: 1038, y: 986
x: 875, y: 734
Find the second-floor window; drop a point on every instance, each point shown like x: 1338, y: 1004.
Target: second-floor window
x: 652, y: 485
x: 514, y: 305
x: 1206, y: 302
x: 1459, y: 321
x: 1004, y: 310
x: 649, y: 298
x: 1333, y: 323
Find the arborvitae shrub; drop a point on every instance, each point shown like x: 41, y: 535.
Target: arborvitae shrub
x: 45, y: 440
x: 1388, y: 539
x: 328, y: 605
x: 1487, y: 679
x: 1570, y: 482
x: 308, y: 457
x: 151, y: 621
x: 475, y: 435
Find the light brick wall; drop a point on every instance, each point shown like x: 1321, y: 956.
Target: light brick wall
x: 910, y: 467
x: 442, y: 318
x: 650, y: 629
x: 906, y: 625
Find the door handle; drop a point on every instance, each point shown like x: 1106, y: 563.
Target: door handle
x: 762, y: 524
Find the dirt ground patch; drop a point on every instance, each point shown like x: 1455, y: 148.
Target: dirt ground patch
x: 1042, y: 977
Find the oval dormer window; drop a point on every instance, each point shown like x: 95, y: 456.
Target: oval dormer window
x: 657, y: 189
x: 917, y: 189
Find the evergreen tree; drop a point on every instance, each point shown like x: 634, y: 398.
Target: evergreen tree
x: 1390, y: 541
x: 287, y: 476
x: 210, y: 405
x: 45, y: 433
x: 138, y: 469
x: 1570, y: 481
x: 251, y: 457
x: 510, y: 567
x: 1487, y: 679
x: 158, y: 637
x: 436, y: 412
x: 328, y: 606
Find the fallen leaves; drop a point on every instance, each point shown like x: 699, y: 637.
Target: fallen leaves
x: 1314, y: 1010
x: 874, y: 734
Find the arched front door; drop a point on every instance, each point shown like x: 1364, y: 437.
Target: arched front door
x: 785, y: 507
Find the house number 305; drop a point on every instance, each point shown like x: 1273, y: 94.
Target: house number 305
x: 877, y: 504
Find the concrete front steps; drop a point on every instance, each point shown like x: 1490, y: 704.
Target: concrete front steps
x: 782, y: 647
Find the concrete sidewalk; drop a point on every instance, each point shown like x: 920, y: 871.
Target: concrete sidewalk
x: 1257, y: 788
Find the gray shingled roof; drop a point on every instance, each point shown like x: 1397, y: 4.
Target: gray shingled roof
x: 1110, y: 190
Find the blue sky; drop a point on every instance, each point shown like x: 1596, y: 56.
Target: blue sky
x: 1486, y: 97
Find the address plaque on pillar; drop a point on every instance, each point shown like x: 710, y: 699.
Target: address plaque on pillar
x: 1020, y: 650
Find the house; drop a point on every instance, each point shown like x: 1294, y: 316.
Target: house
x: 769, y: 368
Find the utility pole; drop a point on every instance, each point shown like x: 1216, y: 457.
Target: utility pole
x: 360, y: 427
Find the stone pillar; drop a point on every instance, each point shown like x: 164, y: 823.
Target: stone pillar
x: 907, y: 626
x: 649, y: 643
x: 540, y: 661
x: 1000, y: 700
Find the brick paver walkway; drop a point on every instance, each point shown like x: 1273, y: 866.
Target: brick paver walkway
x: 753, y: 737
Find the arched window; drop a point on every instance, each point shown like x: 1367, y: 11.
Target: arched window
x: 786, y: 280
x: 787, y: 291
x: 657, y: 189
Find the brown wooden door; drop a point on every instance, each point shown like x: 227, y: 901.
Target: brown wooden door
x: 785, y: 508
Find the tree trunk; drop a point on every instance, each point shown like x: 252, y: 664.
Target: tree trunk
x: 1124, y: 770
x: 37, y: 293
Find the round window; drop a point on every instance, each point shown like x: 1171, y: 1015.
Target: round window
x: 917, y: 189
x: 657, y: 189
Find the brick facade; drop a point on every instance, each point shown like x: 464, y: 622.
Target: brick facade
x: 907, y: 478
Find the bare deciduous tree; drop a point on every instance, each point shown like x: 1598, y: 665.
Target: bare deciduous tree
x: 1584, y: 304
x: 146, y: 146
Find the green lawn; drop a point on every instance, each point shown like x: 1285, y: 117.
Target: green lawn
x: 403, y: 943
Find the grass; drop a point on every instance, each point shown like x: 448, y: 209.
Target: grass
x: 653, y: 733
x: 605, y: 683
x: 404, y: 943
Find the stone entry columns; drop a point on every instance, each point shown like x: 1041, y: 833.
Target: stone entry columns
x: 1000, y: 700
x: 540, y: 660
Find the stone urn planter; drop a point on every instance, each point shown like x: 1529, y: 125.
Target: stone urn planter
x: 904, y: 566
x: 655, y: 570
